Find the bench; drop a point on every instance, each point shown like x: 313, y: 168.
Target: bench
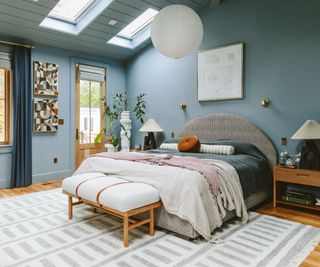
x: 114, y: 196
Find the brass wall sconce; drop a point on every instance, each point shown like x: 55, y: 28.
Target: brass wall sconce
x: 182, y: 105
x: 265, y: 102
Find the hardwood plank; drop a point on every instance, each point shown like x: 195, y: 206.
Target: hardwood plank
x: 4, y: 193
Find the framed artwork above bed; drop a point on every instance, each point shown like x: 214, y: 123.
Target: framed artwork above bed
x: 220, y: 73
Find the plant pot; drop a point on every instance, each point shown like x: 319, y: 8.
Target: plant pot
x: 111, y: 147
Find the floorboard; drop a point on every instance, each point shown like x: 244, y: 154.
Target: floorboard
x: 301, y: 216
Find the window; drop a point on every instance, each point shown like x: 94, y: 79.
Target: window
x: 90, y: 99
x: 4, y: 106
x: 138, y: 24
x: 71, y: 10
x: 85, y: 127
x: 137, y: 32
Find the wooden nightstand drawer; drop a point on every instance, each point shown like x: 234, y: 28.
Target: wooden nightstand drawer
x: 297, y: 176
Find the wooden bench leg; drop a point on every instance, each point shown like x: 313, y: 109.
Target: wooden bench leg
x: 94, y: 210
x: 126, y: 231
x: 151, y: 224
x: 70, y: 214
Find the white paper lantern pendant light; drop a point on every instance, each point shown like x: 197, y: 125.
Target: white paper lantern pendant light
x: 176, y: 31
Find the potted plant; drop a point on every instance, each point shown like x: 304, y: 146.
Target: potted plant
x: 118, y: 108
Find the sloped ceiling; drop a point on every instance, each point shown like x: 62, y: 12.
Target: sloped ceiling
x: 20, y: 19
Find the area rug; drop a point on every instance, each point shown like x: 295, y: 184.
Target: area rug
x: 35, y: 231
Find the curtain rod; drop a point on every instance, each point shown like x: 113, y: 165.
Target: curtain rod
x: 17, y: 44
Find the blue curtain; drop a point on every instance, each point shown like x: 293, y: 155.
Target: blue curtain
x: 21, y: 165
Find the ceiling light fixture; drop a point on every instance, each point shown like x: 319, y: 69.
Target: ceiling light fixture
x: 176, y: 31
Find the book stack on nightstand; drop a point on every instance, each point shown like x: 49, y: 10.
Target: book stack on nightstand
x: 295, y: 198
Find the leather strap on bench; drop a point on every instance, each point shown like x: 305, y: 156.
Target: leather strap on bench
x: 105, y: 188
x: 86, y: 180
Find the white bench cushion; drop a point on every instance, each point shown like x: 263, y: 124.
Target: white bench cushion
x: 70, y: 184
x: 119, y: 194
x: 129, y: 196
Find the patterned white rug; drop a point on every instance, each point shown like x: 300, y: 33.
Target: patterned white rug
x: 35, y: 231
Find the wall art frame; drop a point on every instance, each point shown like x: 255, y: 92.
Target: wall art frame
x: 45, y: 79
x: 45, y: 115
x: 220, y: 73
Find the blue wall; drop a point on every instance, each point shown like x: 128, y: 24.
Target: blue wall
x: 282, y: 62
x: 61, y: 144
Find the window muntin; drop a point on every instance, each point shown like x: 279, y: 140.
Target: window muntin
x: 4, y: 107
x: 71, y: 10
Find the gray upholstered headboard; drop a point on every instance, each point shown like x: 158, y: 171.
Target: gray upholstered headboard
x: 227, y: 126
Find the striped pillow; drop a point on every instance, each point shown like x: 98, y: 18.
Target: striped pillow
x: 217, y: 149
x: 169, y: 146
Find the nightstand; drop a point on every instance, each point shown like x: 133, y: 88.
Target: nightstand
x: 283, y: 175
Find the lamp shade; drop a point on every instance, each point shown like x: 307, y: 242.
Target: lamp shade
x: 176, y: 31
x: 309, y: 130
x: 151, y: 126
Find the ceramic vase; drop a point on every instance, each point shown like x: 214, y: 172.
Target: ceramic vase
x: 125, y: 133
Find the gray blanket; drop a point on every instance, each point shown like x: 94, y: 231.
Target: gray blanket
x: 250, y: 163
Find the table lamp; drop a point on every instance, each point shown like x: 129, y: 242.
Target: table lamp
x: 150, y: 126
x: 310, y: 155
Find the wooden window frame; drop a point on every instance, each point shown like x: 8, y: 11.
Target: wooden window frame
x: 7, y: 111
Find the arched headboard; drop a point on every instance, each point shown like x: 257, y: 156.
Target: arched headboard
x: 227, y: 126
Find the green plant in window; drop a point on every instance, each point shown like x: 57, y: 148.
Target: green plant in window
x: 113, y: 111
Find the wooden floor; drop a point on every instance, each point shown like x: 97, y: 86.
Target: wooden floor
x: 313, y: 260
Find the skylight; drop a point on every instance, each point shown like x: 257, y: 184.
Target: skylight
x: 70, y: 10
x: 138, y: 24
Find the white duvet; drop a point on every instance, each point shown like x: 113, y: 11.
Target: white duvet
x: 183, y: 192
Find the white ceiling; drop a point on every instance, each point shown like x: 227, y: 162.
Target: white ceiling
x: 20, y: 19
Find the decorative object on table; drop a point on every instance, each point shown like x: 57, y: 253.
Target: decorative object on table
x: 284, y: 155
x: 290, y: 161
x: 150, y: 126
x: 45, y: 115
x: 119, y: 109
x: 138, y: 147
x: 310, y: 155
x: 176, y: 31
x: 45, y: 78
x: 220, y: 73
x: 265, y: 102
x: 111, y: 147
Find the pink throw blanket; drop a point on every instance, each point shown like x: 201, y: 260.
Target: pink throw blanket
x: 191, y: 163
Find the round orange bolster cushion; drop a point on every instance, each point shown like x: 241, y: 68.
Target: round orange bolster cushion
x: 189, y: 143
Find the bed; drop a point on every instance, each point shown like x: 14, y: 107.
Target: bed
x: 217, y: 127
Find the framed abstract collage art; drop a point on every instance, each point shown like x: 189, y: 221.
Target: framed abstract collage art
x: 45, y: 101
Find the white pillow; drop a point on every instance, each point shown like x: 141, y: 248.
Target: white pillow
x: 169, y: 146
x: 217, y: 149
